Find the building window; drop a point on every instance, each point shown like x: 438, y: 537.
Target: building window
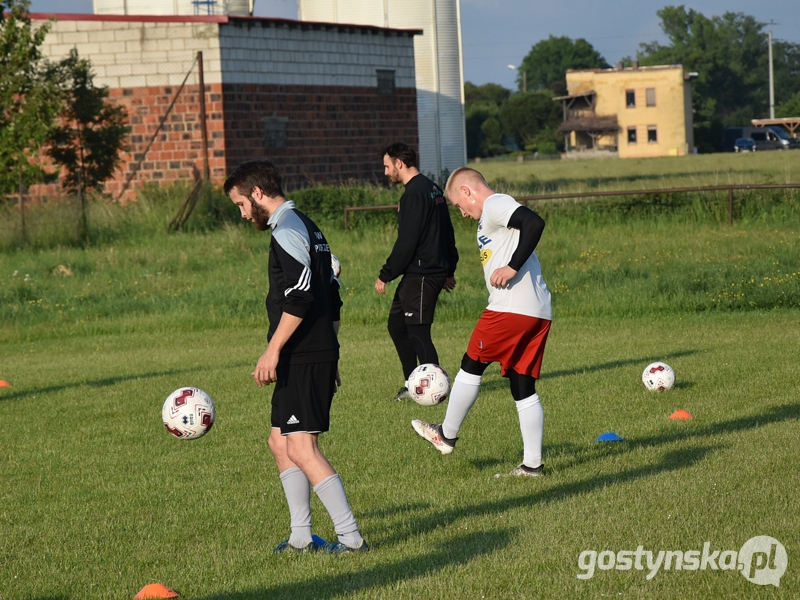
x: 652, y: 134
x: 631, y: 135
x: 630, y: 98
x: 385, y: 81
x: 275, y: 132
x: 651, y: 96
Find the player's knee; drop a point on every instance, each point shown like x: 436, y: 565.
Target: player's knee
x: 397, y: 326
x: 276, y: 443
x: 522, y: 386
x: 473, y: 367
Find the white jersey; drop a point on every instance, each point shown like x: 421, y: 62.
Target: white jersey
x: 527, y: 293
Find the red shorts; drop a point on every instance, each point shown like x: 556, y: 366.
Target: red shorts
x: 515, y: 341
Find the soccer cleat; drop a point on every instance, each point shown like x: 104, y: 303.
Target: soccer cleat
x: 340, y: 548
x: 403, y: 394
x: 525, y: 471
x: 433, y: 433
x: 316, y: 544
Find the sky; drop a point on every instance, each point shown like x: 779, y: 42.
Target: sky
x: 499, y: 33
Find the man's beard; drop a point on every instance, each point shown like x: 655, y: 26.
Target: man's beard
x: 259, y: 216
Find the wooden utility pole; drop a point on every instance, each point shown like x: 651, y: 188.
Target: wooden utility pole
x: 203, y: 129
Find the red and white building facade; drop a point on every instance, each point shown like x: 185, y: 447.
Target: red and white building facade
x: 317, y: 99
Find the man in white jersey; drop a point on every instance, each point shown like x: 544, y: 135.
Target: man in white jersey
x: 513, y: 328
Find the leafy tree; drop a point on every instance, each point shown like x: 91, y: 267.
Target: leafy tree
x: 491, y: 138
x: 785, y: 70
x: 483, y: 103
x: 790, y: 108
x: 546, y: 65
x: 92, y: 130
x: 531, y: 118
x: 730, y: 55
x: 90, y: 133
x: 489, y: 93
x: 29, y: 101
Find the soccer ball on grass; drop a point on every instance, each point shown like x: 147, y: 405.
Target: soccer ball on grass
x: 658, y: 377
x: 188, y: 413
x: 428, y: 384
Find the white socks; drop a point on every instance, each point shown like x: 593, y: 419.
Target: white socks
x: 531, y: 424
x: 298, y: 495
x: 331, y: 492
x: 463, y: 395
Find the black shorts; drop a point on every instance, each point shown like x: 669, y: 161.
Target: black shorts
x: 416, y: 297
x: 302, y: 398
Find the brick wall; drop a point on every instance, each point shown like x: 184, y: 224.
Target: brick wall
x: 175, y: 153
x: 332, y: 134
x: 303, y: 94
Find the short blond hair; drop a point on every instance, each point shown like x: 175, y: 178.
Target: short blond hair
x: 471, y: 175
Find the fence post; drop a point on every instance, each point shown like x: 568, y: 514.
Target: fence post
x: 21, y: 205
x: 730, y: 205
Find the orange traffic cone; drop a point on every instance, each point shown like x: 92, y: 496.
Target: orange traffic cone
x: 681, y: 414
x: 3, y: 383
x: 155, y: 590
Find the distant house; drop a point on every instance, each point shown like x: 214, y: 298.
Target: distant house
x: 631, y: 112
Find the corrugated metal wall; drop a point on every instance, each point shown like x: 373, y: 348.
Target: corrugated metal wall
x: 439, y: 70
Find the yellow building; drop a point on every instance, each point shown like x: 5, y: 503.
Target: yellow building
x: 633, y: 112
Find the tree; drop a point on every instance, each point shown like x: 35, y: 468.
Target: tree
x: 491, y: 138
x: 531, y: 118
x: 90, y: 134
x: 546, y: 65
x: 790, y: 108
x: 29, y: 102
x: 482, y: 104
x: 730, y: 56
x: 91, y: 131
x: 786, y: 70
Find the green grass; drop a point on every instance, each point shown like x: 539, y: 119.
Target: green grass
x: 561, y: 176
x: 97, y: 500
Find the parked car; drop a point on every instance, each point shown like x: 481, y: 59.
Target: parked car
x: 744, y: 145
x: 766, y: 138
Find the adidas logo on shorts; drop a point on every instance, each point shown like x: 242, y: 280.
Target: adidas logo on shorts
x: 293, y: 420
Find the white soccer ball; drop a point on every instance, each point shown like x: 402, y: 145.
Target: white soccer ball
x: 188, y: 413
x: 428, y: 384
x: 658, y: 377
x: 336, y: 266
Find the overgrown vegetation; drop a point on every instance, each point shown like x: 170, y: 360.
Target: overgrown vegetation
x: 611, y: 257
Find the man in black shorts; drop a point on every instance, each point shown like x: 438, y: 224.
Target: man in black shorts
x: 301, y: 357
x: 424, y: 254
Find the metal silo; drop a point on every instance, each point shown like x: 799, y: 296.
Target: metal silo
x: 438, y: 65
x: 173, y: 7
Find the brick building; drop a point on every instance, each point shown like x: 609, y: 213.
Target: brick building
x: 318, y: 99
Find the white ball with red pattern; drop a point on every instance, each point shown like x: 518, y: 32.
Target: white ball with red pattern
x: 188, y: 413
x: 658, y: 377
x: 429, y: 384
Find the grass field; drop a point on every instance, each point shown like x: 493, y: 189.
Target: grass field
x: 561, y: 176
x: 97, y: 499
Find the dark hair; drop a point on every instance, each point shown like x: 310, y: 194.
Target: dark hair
x: 255, y: 173
x: 402, y: 151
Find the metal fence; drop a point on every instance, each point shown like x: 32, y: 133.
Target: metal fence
x: 652, y: 192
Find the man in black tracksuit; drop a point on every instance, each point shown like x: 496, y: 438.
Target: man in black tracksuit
x: 301, y: 358
x: 424, y: 255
